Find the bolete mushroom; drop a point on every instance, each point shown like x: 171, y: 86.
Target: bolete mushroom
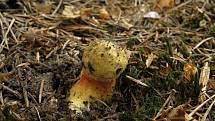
x: 103, y: 62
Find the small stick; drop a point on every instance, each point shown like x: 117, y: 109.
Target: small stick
x: 65, y: 44
x: 5, y: 35
x: 165, y: 103
x: 41, y: 90
x: 11, y: 31
x: 25, y: 94
x: 197, y: 108
x: 2, y: 25
x: 141, y: 83
x: 38, y: 57
x: 135, y: 100
x: 57, y: 8
x: 17, y: 116
x: 12, y: 91
x: 1, y: 98
x: 38, y: 113
x: 102, y: 102
x: 33, y: 99
x: 179, y: 6
x: 137, y: 81
x: 50, y: 53
x: 208, y: 110
x: 200, y: 43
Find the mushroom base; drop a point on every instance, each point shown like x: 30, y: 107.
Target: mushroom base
x: 86, y: 89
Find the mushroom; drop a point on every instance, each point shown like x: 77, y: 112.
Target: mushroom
x: 103, y: 62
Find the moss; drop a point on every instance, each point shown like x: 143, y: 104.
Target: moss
x: 184, y: 51
x: 211, y: 30
x: 152, y: 103
x: 213, y: 114
x: 131, y: 42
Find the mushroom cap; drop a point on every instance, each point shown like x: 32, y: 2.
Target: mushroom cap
x: 103, y: 60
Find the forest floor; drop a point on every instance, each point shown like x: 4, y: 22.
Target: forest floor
x: 172, y: 47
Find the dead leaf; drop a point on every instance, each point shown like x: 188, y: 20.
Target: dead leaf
x: 114, y: 11
x: 44, y: 8
x: 204, y: 76
x: 174, y: 114
x: 152, y: 15
x: 5, y: 76
x: 189, y: 71
x: 71, y: 12
x: 203, y: 81
x: 103, y: 14
x: 2, y: 58
x: 86, y: 12
x: 177, y: 114
x: 1, y: 116
x: 211, y: 84
x: 150, y: 59
x: 165, y: 4
x: 126, y: 24
x: 23, y: 64
x: 2, y: 64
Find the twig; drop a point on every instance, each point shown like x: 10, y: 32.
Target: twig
x: 57, y: 8
x: 204, y: 76
x: 2, y: 26
x: 135, y: 100
x: 65, y: 44
x: 141, y: 83
x: 33, y: 99
x: 38, y: 57
x: 179, y: 6
x: 11, y: 31
x: 207, y: 112
x: 197, y: 108
x: 204, y: 40
x: 25, y: 94
x: 16, y: 93
x: 165, y: 103
x: 17, y: 116
x: 41, y: 90
x: 50, y: 53
x: 137, y: 81
x: 5, y: 35
x: 102, y: 102
x: 1, y: 98
x: 38, y: 113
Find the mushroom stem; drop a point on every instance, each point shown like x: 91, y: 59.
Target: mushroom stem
x: 87, y: 87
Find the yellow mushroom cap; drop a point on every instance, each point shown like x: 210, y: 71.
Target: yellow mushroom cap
x: 103, y: 62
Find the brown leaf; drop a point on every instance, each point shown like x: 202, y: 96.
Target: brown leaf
x: 103, y: 14
x: 150, y: 59
x: 203, y: 81
x: 165, y: 4
x: 211, y: 84
x: 44, y: 8
x: 5, y: 76
x: 174, y: 114
x: 189, y: 71
x: 71, y: 12
x: 177, y: 114
x: 1, y: 116
x: 2, y: 64
x: 204, y: 76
